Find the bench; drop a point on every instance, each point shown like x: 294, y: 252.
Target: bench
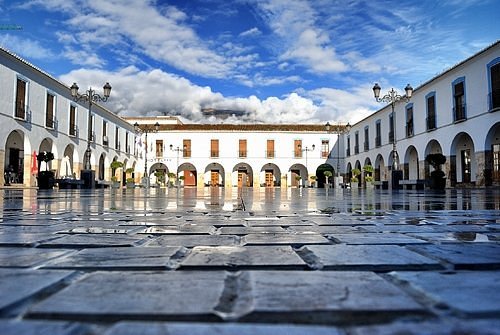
x: 67, y: 183
x: 408, y: 184
x: 381, y: 184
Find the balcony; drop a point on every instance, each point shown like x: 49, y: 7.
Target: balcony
x: 242, y: 154
x: 214, y: 153
x: 20, y: 112
x: 366, y: 146
x: 391, y: 137
x: 105, y: 140
x: 348, y: 152
x: 73, y: 130
x: 378, y: 141
x: 430, y: 122
x: 409, y: 129
x: 270, y: 154
x: 494, y: 100
x: 356, y: 149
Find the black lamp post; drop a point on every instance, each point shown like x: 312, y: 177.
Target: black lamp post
x: 145, y: 129
x: 87, y: 174
x: 392, y: 97
x: 179, y: 150
x: 339, y: 130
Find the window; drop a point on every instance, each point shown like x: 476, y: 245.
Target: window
x: 242, y: 148
x: 378, y: 132
x: 409, y: 120
x: 72, y: 120
x: 159, y: 148
x: 494, y: 83
x: 49, y: 111
x: 297, y: 148
x: 270, y: 149
x: 186, y: 151
x: 127, y: 146
x: 21, y: 98
x: 356, y: 142
x: 495, y: 149
x: 431, y: 110
x: 105, y: 140
x: 367, y: 139
x: 117, y: 137
x: 214, y: 148
x: 325, y: 148
x: 391, y: 128
x: 459, y: 107
x: 348, y: 150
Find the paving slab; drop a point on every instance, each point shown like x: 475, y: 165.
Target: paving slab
x: 164, y: 296
x: 319, y: 297
x: 19, y: 284
x: 455, y: 237
x: 464, y: 255
x: 190, y: 241
x: 27, y: 257
x: 179, y: 230
x: 81, y: 241
x: 281, y: 239
x: 142, y: 328
x: 366, y: 258
x: 119, y: 259
x: 25, y: 239
x: 16, y: 327
x: 472, y: 293
x: 376, y: 238
x: 449, y: 327
x: 252, y: 230
x: 238, y: 257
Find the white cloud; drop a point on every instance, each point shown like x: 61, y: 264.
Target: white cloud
x: 251, y: 32
x: 26, y: 47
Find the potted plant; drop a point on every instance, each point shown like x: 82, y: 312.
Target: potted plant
x: 327, y: 175
x: 313, y: 180
x: 437, y: 179
x: 160, y: 177
x: 298, y: 179
x: 368, y: 171
x: 46, y: 179
x: 130, y: 180
x: 355, y: 176
x: 181, y: 178
x: 114, y: 166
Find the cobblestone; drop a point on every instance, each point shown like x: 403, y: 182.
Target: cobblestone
x: 296, y: 261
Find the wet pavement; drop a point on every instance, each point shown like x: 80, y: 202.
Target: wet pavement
x: 249, y: 261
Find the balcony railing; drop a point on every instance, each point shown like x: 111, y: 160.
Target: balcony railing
x: 21, y: 111
x: 366, y: 146
x: 348, y: 152
x: 214, y: 153
x: 494, y: 99
x: 409, y: 129
x: 270, y: 154
x: 242, y: 153
x: 356, y: 149
x: 459, y: 112
x: 186, y: 153
x: 73, y: 130
x: 378, y: 141
x: 431, y: 122
x: 391, y: 137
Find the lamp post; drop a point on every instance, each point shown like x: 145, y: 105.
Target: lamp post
x: 306, y: 150
x: 339, y: 130
x: 87, y: 174
x: 145, y: 129
x: 392, y: 97
x: 177, y: 166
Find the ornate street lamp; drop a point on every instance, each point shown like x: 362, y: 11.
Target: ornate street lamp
x: 392, y: 97
x: 145, y: 129
x: 339, y: 130
x: 87, y: 174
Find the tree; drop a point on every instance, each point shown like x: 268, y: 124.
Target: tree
x: 355, y: 175
x: 115, y: 165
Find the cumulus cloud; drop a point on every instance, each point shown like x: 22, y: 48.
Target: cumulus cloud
x: 30, y: 48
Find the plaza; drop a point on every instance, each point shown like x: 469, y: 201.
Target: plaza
x: 249, y: 261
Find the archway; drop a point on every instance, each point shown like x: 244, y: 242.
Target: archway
x: 320, y: 175
x: 492, y: 156
x: 67, y: 168
x: 298, y: 175
x: 214, y: 175
x: 101, y: 169
x: 380, y: 174
x: 14, y: 158
x: 367, y: 171
x: 158, y: 173
x: 242, y: 175
x: 463, y: 165
x: 187, y: 173
x: 433, y: 147
x: 410, y: 167
x: 270, y: 175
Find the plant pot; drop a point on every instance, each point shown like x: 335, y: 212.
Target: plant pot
x: 46, y: 180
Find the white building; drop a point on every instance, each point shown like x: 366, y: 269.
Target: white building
x: 456, y: 113
x: 38, y: 113
x: 235, y: 155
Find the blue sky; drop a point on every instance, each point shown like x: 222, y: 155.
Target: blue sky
x: 280, y: 61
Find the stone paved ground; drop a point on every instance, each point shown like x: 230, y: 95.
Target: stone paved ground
x: 253, y: 261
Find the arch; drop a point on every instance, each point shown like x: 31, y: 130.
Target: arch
x: 365, y: 172
x: 188, y: 174
x: 432, y: 147
x: 463, y: 165
x: 380, y: 172
x: 357, y: 165
x: 298, y: 175
x: 101, y: 167
x: 242, y: 175
x: 270, y: 175
x: 320, y: 174
x: 349, y: 171
x: 410, y: 166
x: 47, y: 145
x: 158, y: 173
x: 67, y: 168
x: 492, y: 156
x: 14, y: 158
x: 214, y: 175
